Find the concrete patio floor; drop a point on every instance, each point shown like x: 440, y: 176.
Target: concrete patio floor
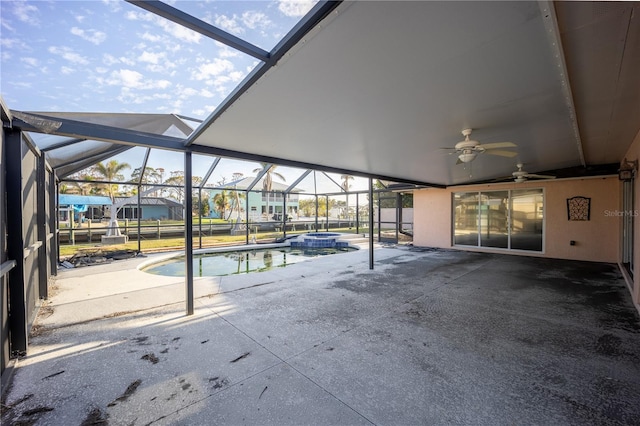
x: 428, y: 337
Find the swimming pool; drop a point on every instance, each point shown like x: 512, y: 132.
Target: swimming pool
x: 240, y: 261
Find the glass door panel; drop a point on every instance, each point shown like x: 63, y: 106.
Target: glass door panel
x: 494, y: 219
x: 465, y: 207
x: 527, y: 215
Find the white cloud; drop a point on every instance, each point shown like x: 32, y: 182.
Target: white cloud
x: 212, y: 69
x: 127, y: 61
x: 11, y: 43
x: 114, y: 5
x: 204, y: 111
x: 186, y: 92
x: 295, y: 8
x: 102, y: 70
x: 134, y: 15
x: 151, y: 37
x: 178, y: 31
x: 109, y: 59
x: 66, y: 70
x: 132, y: 79
x: 150, y: 57
x: 26, y: 12
x: 229, y: 24
x: 92, y: 36
x: 30, y: 61
x: 68, y: 54
x: 255, y: 20
x: 80, y: 18
x: 126, y: 78
x: 206, y: 94
x: 6, y: 25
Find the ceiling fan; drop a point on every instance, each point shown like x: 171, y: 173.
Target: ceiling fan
x: 520, y: 175
x: 468, y: 149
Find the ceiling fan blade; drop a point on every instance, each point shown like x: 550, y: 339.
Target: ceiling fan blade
x: 497, y: 145
x: 529, y: 175
x: 447, y: 149
x: 501, y: 152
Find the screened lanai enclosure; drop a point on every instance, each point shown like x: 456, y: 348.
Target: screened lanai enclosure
x: 233, y: 202
x: 84, y: 183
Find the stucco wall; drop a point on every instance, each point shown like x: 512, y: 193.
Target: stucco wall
x: 596, y: 240
x: 633, y: 154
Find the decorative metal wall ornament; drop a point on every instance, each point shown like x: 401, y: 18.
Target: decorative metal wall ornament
x: 579, y: 208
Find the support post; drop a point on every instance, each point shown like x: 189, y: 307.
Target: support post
x: 138, y: 214
x: 316, y: 195
x: 200, y: 217
x: 15, y: 242
x: 41, y: 214
x: 370, y: 223
x: 326, y: 213
x: 357, y: 213
x: 188, y: 231
x: 53, y: 225
x: 246, y: 213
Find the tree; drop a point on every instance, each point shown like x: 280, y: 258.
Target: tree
x: 345, y: 186
x: 177, y: 180
x: 111, y: 172
x: 221, y: 202
x: 267, y: 182
x: 86, y: 187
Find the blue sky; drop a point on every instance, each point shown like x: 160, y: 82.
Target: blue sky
x: 112, y: 56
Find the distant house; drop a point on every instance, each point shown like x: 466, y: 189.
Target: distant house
x: 82, y: 206
x: 151, y: 208
x: 257, y: 200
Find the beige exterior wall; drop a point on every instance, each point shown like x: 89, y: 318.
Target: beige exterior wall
x: 633, y: 154
x: 596, y: 240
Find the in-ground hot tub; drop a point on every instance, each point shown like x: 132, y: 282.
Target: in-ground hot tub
x: 319, y: 240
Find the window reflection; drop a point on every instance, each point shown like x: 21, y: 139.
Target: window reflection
x: 527, y: 214
x: 499, y: 219
x: 466, y: 218
x: 494, y: 215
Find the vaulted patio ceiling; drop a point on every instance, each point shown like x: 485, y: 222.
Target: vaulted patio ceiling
x: 379, y: 87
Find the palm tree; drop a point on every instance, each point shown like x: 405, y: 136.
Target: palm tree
x: 267, y: 183
x: 221, y: 201
x: 111, y: 172
x: 345, y: 185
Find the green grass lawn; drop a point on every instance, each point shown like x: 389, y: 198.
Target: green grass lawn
x: 165, y: 244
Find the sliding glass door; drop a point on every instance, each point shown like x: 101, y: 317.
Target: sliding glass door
x: 499, y: 219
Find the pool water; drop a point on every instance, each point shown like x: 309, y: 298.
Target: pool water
x: 240, y: 262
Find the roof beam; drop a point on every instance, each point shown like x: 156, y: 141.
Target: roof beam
x: 260, y: 175
x: 98, y: 132
x: 297, y: 181
x: 61, y: 144
x: 208, y: 175
x: 222, y: 152
x: 201, y: 27
x: 88, y: 161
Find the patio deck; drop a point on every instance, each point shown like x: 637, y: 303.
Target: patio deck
x: 428, y: 337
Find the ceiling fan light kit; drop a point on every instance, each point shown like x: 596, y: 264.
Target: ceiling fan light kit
x: 520, y: 175
x: 468, y: 149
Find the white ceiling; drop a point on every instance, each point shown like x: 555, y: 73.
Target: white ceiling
x: 379, y: 86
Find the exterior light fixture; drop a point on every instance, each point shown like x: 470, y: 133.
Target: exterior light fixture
x: 627, y: 170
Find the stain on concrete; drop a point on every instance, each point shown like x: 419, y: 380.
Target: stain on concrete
x: 131, y: 389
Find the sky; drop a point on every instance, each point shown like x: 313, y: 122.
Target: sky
x: 112, y: 56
